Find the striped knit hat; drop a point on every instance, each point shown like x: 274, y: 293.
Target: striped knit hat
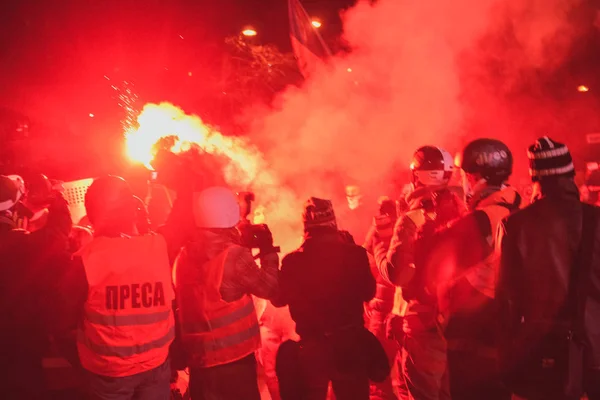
x: 318, y: 213
x: 548, y: 158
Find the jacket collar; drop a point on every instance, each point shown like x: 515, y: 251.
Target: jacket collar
x: 321, y: 234
x: 559, y: 188
x: 505, y: 195
x: 213, y: 241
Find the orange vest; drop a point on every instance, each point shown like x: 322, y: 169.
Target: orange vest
x: 128, y: 318
x: 213, y: 331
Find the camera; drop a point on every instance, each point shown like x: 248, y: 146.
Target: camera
x: 254, y: 236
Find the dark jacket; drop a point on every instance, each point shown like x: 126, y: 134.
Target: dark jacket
x: 539, y: 245
x: 28, y: 272
x: 325, y: 283
x: 429, y: 208
x: 465, y: 263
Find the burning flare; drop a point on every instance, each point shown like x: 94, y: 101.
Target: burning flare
x: 160, y: 121
x: 246, y: 167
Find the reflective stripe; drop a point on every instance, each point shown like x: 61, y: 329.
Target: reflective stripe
x: 126, y: 320
x: 233, y: 340
x: 126, y: 351
x: 219, y: 322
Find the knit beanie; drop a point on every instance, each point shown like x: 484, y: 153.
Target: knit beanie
x: 318, y: 213
x: 11, y: 189
x: 548, y: 158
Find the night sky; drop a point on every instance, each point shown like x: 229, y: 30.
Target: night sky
x: 56, y: 53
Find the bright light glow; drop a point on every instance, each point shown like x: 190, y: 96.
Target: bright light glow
x: 316, y: 23
x: 249, y: 32
x: 583, y: 88
x: 158, y: 121
x: 189, y: 74
x: 91, y: 115
x: 349, y: 70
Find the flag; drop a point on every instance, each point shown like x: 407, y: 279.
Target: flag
x: 309, y: 47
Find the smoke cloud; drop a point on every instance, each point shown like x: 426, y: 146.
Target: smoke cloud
x: 419, y: 73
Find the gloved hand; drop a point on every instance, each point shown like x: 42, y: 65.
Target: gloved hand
x: 388, y: 207
x: 265, y: 240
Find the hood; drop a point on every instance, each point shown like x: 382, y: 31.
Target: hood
x: 505, y: 195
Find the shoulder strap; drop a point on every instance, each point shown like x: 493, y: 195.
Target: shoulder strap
x: 580, y: 273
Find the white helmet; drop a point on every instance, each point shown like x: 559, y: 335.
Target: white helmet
x: 216, y: 207
x: 431, y: 166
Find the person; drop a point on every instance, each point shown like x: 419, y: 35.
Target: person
x: 355, y: 211
x: 465, y: 279
x: 325, y: 283
x: 380, y: 310
x: 121, y: 283
x: 432, y: 206
x: 215, y: 278
x: 549, y: 268
x: 276, y: 327
x: 26, y: 277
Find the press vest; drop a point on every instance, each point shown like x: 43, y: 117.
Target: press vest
x: 214, y: 332
x: 128, y: 320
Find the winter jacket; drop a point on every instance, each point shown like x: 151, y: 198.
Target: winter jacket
x: 381, y: 231
x: 28, y: 287
x: 539, y: 245
x: 465, y: 263
x: 429, y: 207
x: 241, y: 275
x: 325, y: 283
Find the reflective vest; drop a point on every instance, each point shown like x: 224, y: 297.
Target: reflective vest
x: 213, y: 331
x: 483, y: 277
x: 128, y: 319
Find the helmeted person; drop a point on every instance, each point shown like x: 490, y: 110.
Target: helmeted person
x: 26, y: 276
x: 126, y: 295
x: 466, y: 277
x: 431, y: 206
x: 215, y: 278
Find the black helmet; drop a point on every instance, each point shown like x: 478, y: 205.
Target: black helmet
x: 39, y: 190
x: 489, y: 157
x: 110, y: 204
x: 431, y: 166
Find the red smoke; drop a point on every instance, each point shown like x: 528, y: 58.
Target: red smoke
x: 422, y: 72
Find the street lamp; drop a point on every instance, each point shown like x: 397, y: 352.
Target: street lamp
x: 316, y: 23
x: 249, y: 32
